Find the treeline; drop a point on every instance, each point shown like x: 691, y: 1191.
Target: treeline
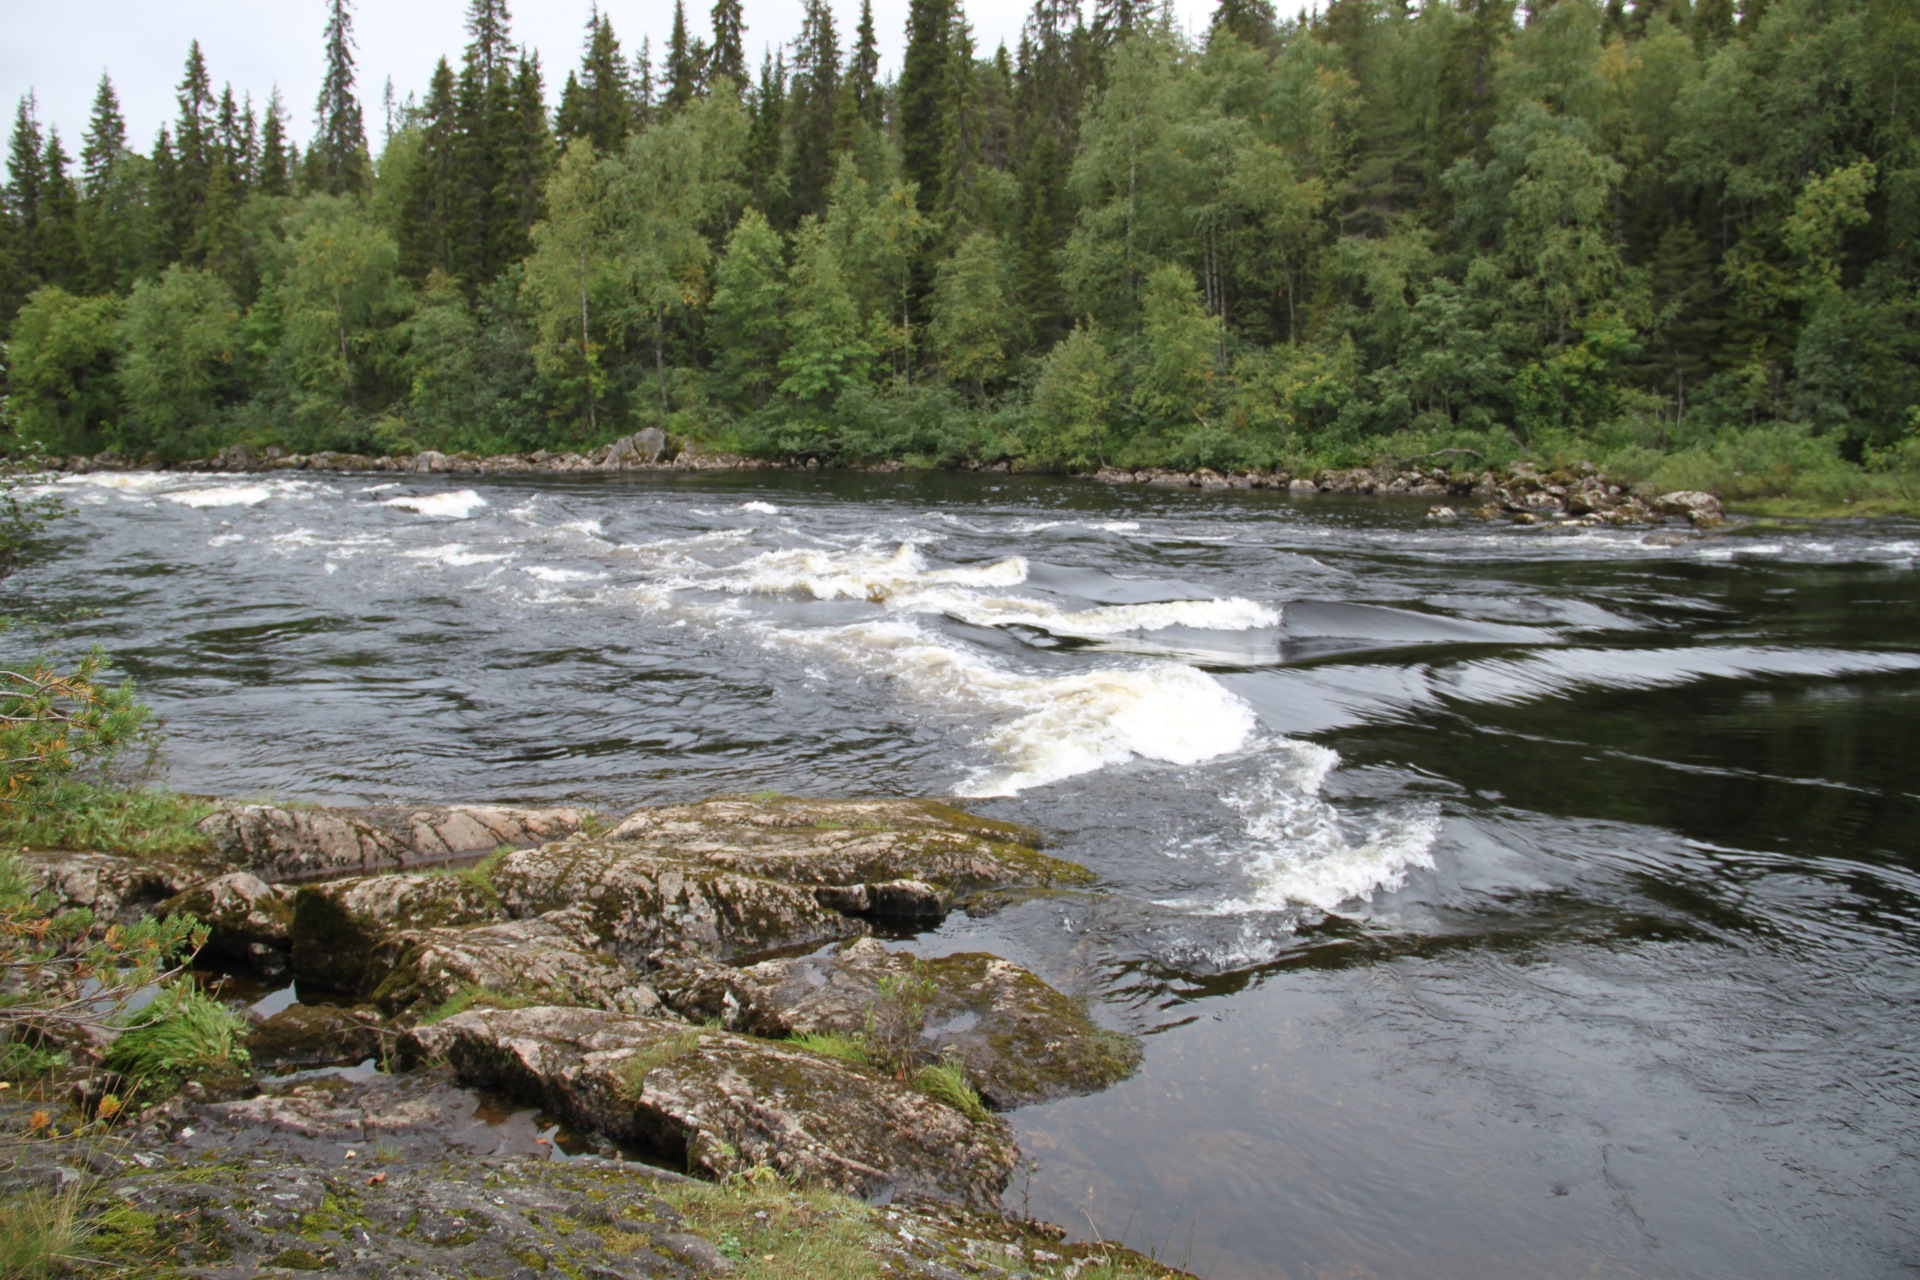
x: 1623, y: 229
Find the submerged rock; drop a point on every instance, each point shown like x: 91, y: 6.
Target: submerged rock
x: 304, y: 1036
x: 1020, y: 1040
x: 724, y: 1104
x: 1702, y: 510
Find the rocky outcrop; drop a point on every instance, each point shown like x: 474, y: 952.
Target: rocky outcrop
x: 1702, y: 510
x: 112, y: 887
x: 339, y: 926
x: 248, y: 919
x: 549, y: 959
x: 1020, y: 1040
x: 283, y: 843
x: 724, y: 1104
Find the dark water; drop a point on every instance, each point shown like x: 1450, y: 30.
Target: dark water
x: 1494, y: 902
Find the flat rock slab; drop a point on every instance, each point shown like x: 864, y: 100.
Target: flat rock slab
x: 851, y: 842
x: 279, y: 843
x: 640, y: 902
x: 1021, y: 1040
x: 724, y: 1104
x: 548, y: 959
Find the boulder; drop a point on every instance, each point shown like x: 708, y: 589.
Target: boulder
x: 1703, y: 510
x: 302, y: 1037
x: 722, y: 1104
x: 113, y: 888
x: 248, y: 918
x: 547, y: 960
x: 339, y: 926
x: 1020, y: 1040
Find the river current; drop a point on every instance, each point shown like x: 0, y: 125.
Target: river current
x: 1492, y: 902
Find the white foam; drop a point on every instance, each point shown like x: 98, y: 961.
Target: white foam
x: 1049, y: 728
x: 457, y: 505
x: 379, y: 488
x: 456, y: 556
x: 226, y: 539
x: 246, y: 495
x: 760, y: 508
x: 545, y: 573
x: 1301, y: 852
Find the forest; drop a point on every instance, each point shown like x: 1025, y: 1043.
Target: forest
x: 1682, y: 240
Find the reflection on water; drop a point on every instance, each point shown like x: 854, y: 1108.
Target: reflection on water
x: 1494, y: 902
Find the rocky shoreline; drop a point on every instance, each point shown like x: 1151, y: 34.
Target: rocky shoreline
x: 697, y: 987
x: 1575, y: 495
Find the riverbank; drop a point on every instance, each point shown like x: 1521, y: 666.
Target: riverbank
x: 699, y: 987
x: 1577, y: 493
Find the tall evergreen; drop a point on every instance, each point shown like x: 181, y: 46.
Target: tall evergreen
x: 812, y: 99
x: 194, y: 147
x: 685, y: 59
x: 597, y: 104
x: 337, y: 156
x: 273, y: 173
x: 25, y: 198
x: 105, y: 139
x: 865, y: 99
x: 1249, y: 20
x: 766, y: 183
x: 923, y: 77
x: 729, y: 55
x: 62, y: 260
x: 489, y: 53
x: 428, y: 231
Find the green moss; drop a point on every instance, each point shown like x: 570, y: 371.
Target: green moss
x: 301, y: 1260
x: 631, y: 1077
x: 475, y: 996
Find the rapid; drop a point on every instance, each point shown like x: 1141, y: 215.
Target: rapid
x: 1493, y: 902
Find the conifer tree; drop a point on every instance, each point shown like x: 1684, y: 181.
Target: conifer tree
x: 273, y: 172
x: 729, y: 56
x: 61, y: 260
x: 489, y: 41
x: 685, y: 57
x: 766, y: 183
x: 25, y: 198
x: 1251, y: 21
x: 105, y: 139
x: 643, y: 83
x: 923, y: 75
x: 963, y: 137
x: 337, y: 156
x: 597, y: 104
x: 193, y: 150
x: 427, y: 236
x: 812, y: 100
x: 527, y: 157
x: 863, y: 71
x: 1115, y: 20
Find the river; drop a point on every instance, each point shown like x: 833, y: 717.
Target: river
x: 1493, y: 902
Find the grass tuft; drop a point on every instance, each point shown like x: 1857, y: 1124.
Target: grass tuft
x: 947, y: 1082
x: 631, y: 1079
x: 183, y: 1030
x: 833, y: 1045
x: 39, y: 1230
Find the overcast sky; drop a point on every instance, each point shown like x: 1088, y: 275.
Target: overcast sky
x: 58, y: 50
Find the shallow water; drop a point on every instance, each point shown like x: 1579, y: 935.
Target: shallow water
x: 1494, y: 902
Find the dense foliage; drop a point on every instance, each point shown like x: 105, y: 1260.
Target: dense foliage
x: 1644, y: 231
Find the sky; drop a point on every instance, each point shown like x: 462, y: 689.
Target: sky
x: 58, y: 52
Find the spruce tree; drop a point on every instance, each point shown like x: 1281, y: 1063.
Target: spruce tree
x: 62, y: 261
x: 337, y: 156
x: 685, y: 57
x: 273, y: 173
x: 105, y: 139
x: 1251, y: 21
x: 863, y: 71
x: 812, y: 100
x: 729, y: 56
x: 26, y: 192
x: 963, y: 137
x: 643, y: 85
x: 193, y: 149
x: 597, y: 104
x: 427, y: 236
x: 489, y: 41
x: 526, y: 158
x: 923, y: 77
x: 766, y: 183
